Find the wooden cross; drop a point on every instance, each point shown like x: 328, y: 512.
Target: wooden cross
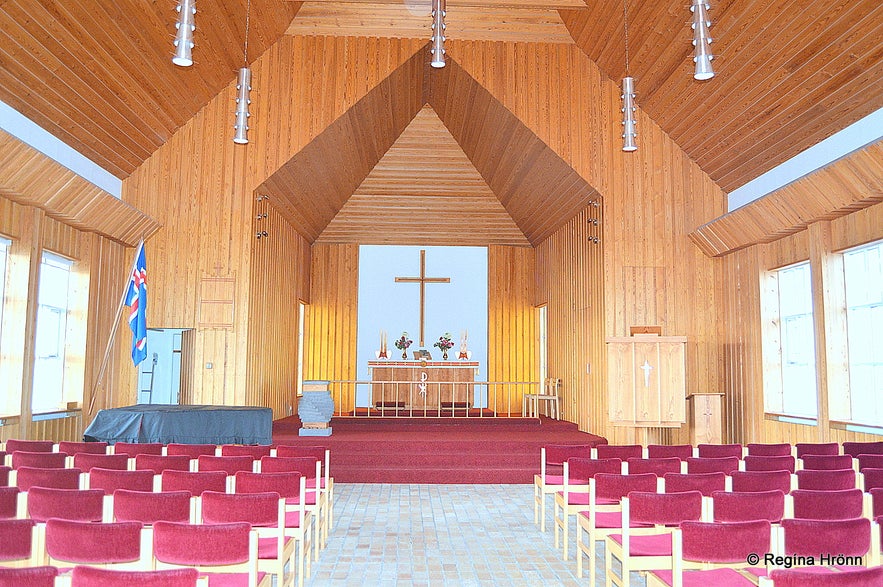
x: 422, y: 280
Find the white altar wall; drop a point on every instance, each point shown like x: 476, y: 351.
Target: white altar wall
x: 395, y: 307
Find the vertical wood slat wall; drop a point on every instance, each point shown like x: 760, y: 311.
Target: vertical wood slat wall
x: 742, y: 328
x: 512, y: 324
x: 279, y: 278
x: 653, y: 198
x: 99, y: 270
x: 331, y: 333
x: 570, y: 270
x: 199, y: 186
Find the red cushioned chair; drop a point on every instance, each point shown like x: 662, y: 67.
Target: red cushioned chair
x: 761, y: 481
x: 717, y: 451
x: 4, y: 474
x: 316, y: 499
x: 604, y: 514
x: 661, y: 451
x: 816, y: 448
x: 112, y: 544
x: 85, y: 505
x: 20, y: 543
x: 87, y: 461
x: 228, y: 549
x: 550, y: 479
x: 574, y: 494
x: 647, y: 548
x: 325, y: 482
x: 27, y: 477
x: 769, y: 450
x: 13, y: 444
x: 826, y: 479
x: 266, y: 513
x: 830, y: 505
x: 709, y: 553
x: 194, y: 481
x: 853, y: 449
x: 255, y: 451
x: 738, y: 506
x: 769, y: 463
x: 149, y: 507
x: 622, y: 452
x: 704, y: 483
x: 826, y: 462
x: 855, y: 537
x: 134, y: 449
x: 160, y: 463
x: 872, y: 478
x: 725, y: 465
x: 812, y: 578
x: 659, y: 466
x: 109, y: 480
x: 28, y: 576
x: 869, y: 462
x: 230, y: 465
x: 71, y: 448
x: 300, y: 524
x: 83, y: 576
x: 44, y: 460
x: 876, y: 501
x: 191, y: 450
x: 8, y: 502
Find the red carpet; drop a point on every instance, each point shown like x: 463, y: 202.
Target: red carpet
x: 447, y: 450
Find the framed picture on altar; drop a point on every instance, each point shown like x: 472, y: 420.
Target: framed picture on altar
x: 422, y: 355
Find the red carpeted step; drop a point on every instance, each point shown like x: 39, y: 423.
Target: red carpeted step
x: 440, y: 450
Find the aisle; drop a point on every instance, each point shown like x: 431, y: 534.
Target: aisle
x: 439, y: 535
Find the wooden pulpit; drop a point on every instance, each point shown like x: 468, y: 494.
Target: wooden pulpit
x: 646, y: 380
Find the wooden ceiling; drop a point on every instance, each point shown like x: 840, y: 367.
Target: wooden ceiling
x: 425, y: 191
x: 98, y: 75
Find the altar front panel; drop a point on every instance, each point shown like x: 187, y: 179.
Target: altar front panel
x: 422, y: 384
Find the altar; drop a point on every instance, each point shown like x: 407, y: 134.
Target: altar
x: 422, y: 384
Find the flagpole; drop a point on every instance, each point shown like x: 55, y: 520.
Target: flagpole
x: 115, y: 326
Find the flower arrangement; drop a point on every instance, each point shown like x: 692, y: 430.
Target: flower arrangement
x: 404, y: 342
x: 444, y: 342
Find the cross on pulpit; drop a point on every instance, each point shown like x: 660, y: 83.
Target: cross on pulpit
x: 422, y: 280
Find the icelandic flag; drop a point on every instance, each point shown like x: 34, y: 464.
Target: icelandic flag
x: 136, y: 299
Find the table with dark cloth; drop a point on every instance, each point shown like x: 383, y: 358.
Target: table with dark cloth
x: 182, y: 424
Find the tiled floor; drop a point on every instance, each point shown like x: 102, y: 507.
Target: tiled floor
x: 463, y: 535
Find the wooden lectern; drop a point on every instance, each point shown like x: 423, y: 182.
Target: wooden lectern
x: 646, y: 380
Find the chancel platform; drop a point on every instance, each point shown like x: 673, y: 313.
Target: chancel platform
x: 183, y: 424
x: 422, y: 384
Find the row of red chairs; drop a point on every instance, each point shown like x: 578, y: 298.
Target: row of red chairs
x: 255, y: 502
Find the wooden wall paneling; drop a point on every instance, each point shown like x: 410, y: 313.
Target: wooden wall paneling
x: 199, y: 185
x: 653, y: 198
x: 280, y: 266
x: 570, y: 270
x: 330, y: 352
x: 512, y: 328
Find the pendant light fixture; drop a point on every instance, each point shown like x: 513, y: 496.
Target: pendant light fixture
x: 184, y: 36
x: 243, y: 87
x: 701, y: 40
x: 628, y: 93
x: 438, y: 34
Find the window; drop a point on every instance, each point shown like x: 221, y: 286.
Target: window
x: 301, y: 317
x: 53, y: 309
x: 863, y: 277
x: 794, y: 391
x: 541, y: 343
